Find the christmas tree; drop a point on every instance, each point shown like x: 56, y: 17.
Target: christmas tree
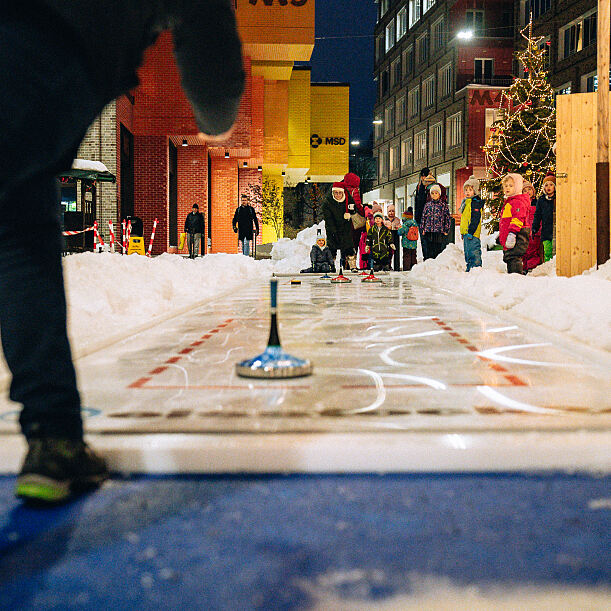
x: 522, y: 138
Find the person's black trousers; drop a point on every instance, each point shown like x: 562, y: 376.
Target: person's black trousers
x: 47, y: 103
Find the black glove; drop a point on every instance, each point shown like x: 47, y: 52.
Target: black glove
x: 235, y: 230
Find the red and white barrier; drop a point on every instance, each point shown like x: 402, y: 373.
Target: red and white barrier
x: 112, y: 236
x: 148, y: 254
x: 77, y: 232
x: 129, y: 235
x: 123, y: 238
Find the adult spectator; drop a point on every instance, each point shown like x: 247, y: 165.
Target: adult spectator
x: 244, y: 219
x: 421, y: 196
x: 194, y: 228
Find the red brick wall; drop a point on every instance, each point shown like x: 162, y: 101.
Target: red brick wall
x: 151, y: 187
x: 224, y: 200
x: 478, y: 101
x: 249, y: 177
x: 192, y: 182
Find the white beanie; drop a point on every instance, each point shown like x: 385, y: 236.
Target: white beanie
x: 473, y: 183
x: 518, y: 181
x: 435, y: 187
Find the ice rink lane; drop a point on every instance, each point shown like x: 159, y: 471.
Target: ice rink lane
x: 388, y: 358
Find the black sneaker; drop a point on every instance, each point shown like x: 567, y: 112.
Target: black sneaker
x: 54, y: 469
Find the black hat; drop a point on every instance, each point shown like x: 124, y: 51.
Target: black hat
x: 425, y: 172
x: 196, y: 206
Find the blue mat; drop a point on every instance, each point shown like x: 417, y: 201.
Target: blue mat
x: 251, y: 542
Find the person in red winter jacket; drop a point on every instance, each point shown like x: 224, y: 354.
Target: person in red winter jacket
x: 351, y: 184
x: 513, y: 226
x: 531, y: 258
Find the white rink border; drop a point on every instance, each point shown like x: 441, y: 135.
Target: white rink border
x: 574, y: 451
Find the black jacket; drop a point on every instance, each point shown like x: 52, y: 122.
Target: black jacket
x: 243, y: 220
x: 338, y: 229
x: 544, y: 217
x: 419, y: 202
x: 113, y: 34
x: 319, y: 255
x: 194, y: 223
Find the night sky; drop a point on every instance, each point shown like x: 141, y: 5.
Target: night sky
x: 348, y: 59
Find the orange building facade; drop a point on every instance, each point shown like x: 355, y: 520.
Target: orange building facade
x: 162, y: 167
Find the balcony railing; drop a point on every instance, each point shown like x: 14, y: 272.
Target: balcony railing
x: 493, y: 81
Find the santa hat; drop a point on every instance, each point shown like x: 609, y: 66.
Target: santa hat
x: 473, y: 183
x: 518, y: 181
x: 338, y: 185
x: 550, y: 177
x: 435, y: 187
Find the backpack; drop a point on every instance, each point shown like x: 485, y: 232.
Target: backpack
x: 412, y: 233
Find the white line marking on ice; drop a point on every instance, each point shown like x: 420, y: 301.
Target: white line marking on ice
x: 494, y: 355
x: 512, y: 403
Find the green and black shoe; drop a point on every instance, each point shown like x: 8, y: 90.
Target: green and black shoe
x: 55, y: 469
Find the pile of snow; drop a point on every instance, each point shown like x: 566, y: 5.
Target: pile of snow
x: 109, y: 294
x: 579, y: 306
x: 86, y: 164
x: 291, y: 256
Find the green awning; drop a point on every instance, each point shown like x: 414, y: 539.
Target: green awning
x: 89, y: 175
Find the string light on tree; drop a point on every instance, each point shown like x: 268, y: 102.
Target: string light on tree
x: 523, y: 135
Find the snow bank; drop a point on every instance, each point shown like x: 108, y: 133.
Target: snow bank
x: 291, y: 256
x: 109, y: 294
x: 579, y: 306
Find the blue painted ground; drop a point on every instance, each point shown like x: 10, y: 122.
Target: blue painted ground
x: 249, y: 542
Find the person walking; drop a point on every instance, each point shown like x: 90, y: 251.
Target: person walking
x: 420, y: 198
x: 194, y: 228
x: 93, y: 47
x: 243, y: 220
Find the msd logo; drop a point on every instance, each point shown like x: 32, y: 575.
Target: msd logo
x: 280, y: 2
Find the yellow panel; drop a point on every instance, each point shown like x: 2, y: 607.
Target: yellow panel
x: 330, y: 127
x: 271, y: 31
x: 273, y: 71
x: 299, y: 120
x: 276, y: 132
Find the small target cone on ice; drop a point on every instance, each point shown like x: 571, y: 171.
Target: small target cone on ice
x: 274, y: 362
x: 340, y: 279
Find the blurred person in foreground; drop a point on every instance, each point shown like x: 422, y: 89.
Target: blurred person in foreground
x: 93, y: 47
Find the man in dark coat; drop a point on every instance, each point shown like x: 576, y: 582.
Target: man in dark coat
x: 426, y: 180
x: 194, y: 228
x: 92, y: 48
x: 338, y: 225
x: 243, y: 220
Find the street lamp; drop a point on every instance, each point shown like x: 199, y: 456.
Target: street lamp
x: 465, y: 34
x: 355, y: 142
x: 378, y: 121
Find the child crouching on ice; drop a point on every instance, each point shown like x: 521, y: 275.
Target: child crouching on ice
x: 321, y: 258
x: 471, y: 223
x: 513, y: 230
x: 408, y: 233
x: 379, y: 243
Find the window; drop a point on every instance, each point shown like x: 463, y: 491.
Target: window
x: 577, y: 35
x: 401, y: 23
x: 384, y: 5
x: 422, y: 49
x: 390, y: 35
x: 384, y: 85
x: 413, y: 102
x: 428, y: 92
x: 389, y: 118
x: 400, y: 111
x: 420, y: 147
x: 454, y: 130
x: 414, y: 11
x: 408, y: 61
x: 426, y: 5
x: 383, y: 165
x: 563, y: 89
x: 407, y: 152
x: 445, y: 81
x: 395, y: 159
x: 436, y: 139
x: 395, y: 72
x: 474, y: 21
x: 437, y: 34
x: 536, y: 7
x: 378, y: 127
x: 483, y: 70
x: 380, y: 50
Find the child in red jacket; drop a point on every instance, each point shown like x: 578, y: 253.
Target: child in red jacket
x: 513, y: 226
